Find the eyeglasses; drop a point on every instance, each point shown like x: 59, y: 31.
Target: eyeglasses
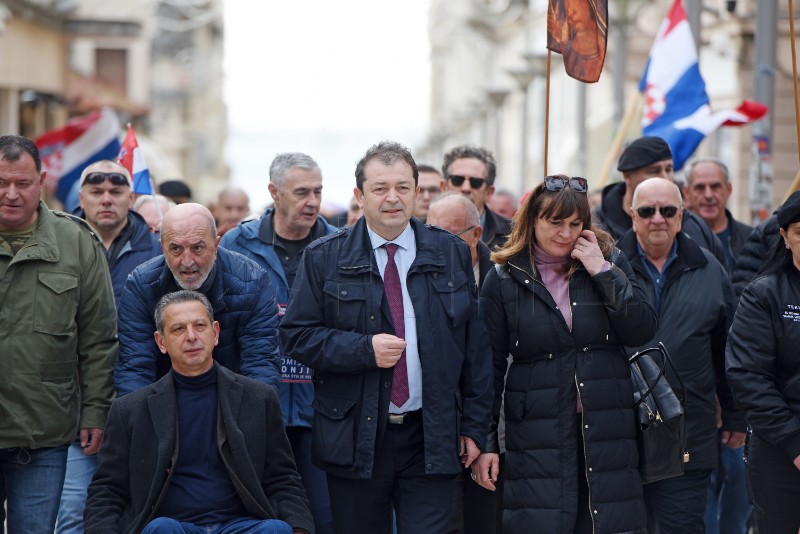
x: 97, y: 178
x: 559, y: 182
x: 668, y: 212
x: 474, y: 181
x: 465, y: 230
x: 431, y: 190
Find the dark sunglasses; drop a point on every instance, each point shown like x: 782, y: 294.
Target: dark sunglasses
x: 474, y: 182
x: 97, y: 178
x: 559, y: 182
x: 668, y: 212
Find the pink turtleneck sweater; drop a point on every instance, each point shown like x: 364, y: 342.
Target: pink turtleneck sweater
x: 549, y: 268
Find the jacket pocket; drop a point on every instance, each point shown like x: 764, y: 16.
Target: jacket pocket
x: 334, y: 431
x: 454, y: 293
x: 55, y: 303
x: 344, y: 304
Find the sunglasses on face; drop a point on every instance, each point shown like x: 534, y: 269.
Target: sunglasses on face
x: 97, y: 178
x: 559, y: 182
x: 645, y: 212
x: 474, y: 181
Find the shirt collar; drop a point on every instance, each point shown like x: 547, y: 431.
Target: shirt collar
x: 405, y: 240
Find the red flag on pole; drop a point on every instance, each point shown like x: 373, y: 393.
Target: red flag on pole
x: 578, y: 29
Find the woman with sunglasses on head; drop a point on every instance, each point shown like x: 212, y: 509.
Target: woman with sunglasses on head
x: 563, y: 302
x: 763, y: 371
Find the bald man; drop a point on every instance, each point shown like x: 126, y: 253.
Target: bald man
x: 239, y: 290
x: 231, y: 208
x: 459, y: 216
x: 695, y: 303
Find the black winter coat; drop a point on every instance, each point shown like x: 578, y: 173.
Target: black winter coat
x: 697, y: 305
x: 754, y: 252
x: 550, y: 363
x: 763, y: 367
x: 337, y: 305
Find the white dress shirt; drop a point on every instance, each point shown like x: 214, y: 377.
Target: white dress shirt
x: 403, y: 258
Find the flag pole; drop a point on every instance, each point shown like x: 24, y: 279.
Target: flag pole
x: 546, y: 110
x: 794, y: 72
x: 616, y: 145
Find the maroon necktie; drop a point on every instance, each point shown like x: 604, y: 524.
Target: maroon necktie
x: 394, y: 294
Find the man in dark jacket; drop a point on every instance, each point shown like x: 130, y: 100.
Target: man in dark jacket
x: 647, y: 157
x: 708, y: 190
x: 276, y: 242
x: 106, y: 196
x: 202, y: 446
x: 755, y: 251
x: 471, y: 171
x: 694, y: 301
x: 387, y: 316
x: 237, y: 287
x: 459, y: 216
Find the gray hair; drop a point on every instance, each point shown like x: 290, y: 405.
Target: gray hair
x: 722, y: 167
x: 473, y: 218
x: 179, y: 297
x: 283, y: 163
x: 147, y: 199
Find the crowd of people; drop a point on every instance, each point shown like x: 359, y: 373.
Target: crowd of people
x: 451, y: 360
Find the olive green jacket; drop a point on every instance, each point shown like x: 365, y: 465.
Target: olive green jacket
x: 58, y: 335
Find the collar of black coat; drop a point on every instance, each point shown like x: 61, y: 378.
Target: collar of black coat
x: 355, y: 254
x: 266, y: 228
x: 690, y: 255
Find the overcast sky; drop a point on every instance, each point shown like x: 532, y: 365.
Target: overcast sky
x: 321, y: 77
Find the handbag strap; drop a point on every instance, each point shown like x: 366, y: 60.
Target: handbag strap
x: 665, y: 360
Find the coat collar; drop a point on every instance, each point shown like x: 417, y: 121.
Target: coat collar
x: 356, y: 252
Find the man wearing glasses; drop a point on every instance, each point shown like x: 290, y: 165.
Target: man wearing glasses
x: 694, y: 301
x: 471, y: 170
x: 430, y: 184
x: 106, y: 197
x: 459, y: 216
x: 647, y: 157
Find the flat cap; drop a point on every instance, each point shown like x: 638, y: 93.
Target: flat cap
x: 643, y: 152
x: 174, y: 188
x: 789, y: 212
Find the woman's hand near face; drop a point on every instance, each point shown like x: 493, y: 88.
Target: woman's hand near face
x: 588, y: 252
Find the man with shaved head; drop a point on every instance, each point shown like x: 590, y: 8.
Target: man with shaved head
x: 459, y: 216
x: 231, y: 208
x: 239, y: 290
x: 694, y: 300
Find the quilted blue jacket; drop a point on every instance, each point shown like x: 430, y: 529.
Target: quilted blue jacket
x: 244, y: 304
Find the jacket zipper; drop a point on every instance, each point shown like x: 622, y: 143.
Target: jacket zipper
x: 585, y: 461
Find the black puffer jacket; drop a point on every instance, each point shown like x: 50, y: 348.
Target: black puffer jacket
x: 754, y: 252
x: 550, y: 363
x: 697, y: 305
x: 763, y: 367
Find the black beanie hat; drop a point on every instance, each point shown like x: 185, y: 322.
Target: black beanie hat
x: 643, y: 152
x: 789, y: 212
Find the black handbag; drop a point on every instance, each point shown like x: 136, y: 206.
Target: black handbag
x: 659, y: 416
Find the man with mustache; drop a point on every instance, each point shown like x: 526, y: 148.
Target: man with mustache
x: 239, y: 290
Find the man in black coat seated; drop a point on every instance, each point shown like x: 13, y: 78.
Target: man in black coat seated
x: 203, y: 446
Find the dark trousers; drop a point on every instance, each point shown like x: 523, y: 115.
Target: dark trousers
x: 677, y: 505
x: 775, y: 487
x: 421, y: 502
x: 314, y: 481
x: 477, y: 510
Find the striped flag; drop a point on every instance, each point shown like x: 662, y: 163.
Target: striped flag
x: 130, y: 156
x: 676, y: 104
x: 83, y: 140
